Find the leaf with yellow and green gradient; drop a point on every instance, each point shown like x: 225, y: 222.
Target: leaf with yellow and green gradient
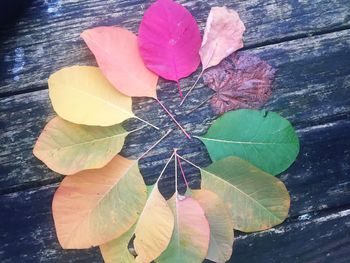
x: 256, y: 200
x: 68, y: 148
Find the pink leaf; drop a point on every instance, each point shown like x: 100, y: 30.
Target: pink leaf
x: 223, y: 35
x: 117, y: 54
x: 169, y: 40
x: 241, y: 81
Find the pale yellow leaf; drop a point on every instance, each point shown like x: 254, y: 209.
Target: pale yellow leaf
x: 117, y: 250
x: 154, y: 228
x: 81, y: 94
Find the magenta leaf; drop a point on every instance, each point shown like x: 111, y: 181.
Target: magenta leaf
x: 169, y: 40
x: 240, y: 81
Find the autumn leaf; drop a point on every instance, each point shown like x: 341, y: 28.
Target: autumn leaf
x: 223, y: 35
x: 220, y: 222
x: 117, y: 54
x: 68, y: 148
x: 257, y: 200
x: 190, y: 238
x: 95, y: 206
x: 265, y: 139
x: 169, y: 40
x: 241, y: 81
x: 155, y: 226
x: 117, y: 249
x: 81, y: 94
x: 153, y: 233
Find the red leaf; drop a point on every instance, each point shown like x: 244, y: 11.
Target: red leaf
x: 169, y: 40
x: 241, y: 81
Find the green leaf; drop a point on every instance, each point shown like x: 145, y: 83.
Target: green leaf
x: 68, y: 148
x: 117, y: 250
x: 256, y: 200
x: 95, y: 206
x: 221, y: 225
x: 190, y: 238
x: 265, y: 139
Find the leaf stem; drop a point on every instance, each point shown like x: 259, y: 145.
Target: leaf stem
x: 195, y: 108
x: 154, y: 145
x: 193, y: 86
x: 182, y: 171
x: 197, y: 137
x: 150, y: 124
x: 204, y: 67
x: 164, y: 168
x: 175, y: 153
x: 140, y: 128
x: 179, y: 88
x: 173, y: 118
x: 187, y: 161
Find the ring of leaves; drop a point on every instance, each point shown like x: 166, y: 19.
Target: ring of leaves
x: 103, y: 201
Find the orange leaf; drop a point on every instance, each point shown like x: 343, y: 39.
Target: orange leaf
x: 95, y: 206
x: 117, y: 54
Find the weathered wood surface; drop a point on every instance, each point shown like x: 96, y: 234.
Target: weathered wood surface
x: 311, y: 87
x: 312, y: 90
x: 47, y: 38
x: 27, y: 235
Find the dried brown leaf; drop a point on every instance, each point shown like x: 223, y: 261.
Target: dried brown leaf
x: 241, y: 81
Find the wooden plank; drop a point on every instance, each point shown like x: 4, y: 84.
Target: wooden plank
x: 312, y: 238
x: 27, y: 235
x: 311, y: 87
x: 47, y: 37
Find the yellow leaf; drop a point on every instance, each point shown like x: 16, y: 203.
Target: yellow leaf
x: 154, y: 228
x: 117, y: 250
x: 95, y: 206
x: 81, y: 94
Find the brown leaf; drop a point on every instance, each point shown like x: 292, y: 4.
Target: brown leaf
x: 241, y: 81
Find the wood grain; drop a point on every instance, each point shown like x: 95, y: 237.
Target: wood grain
x: 47, y: 37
